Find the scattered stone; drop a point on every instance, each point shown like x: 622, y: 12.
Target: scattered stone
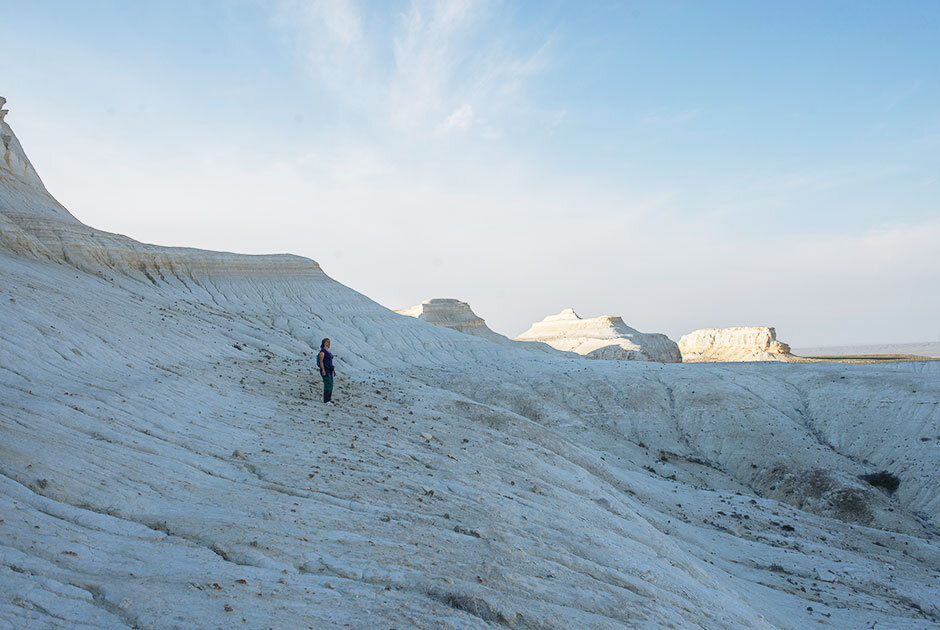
x: 467, y: 532
x: 884, y: 479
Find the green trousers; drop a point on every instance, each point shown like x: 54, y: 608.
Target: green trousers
x: 327, y: 387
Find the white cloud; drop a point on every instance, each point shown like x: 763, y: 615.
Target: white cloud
x: 433, y: 68
x: 459, y: 120
x: 332, y: 41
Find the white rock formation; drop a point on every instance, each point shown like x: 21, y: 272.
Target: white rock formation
x: 739, y: 343
x: 457, y: 315
x: 605, y: 337
x: 164, y: 462
x: 453, y: 314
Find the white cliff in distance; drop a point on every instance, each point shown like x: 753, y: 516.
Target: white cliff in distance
x: 457, y: 315
x: 453, y: 314
x: 604, y: 337
x: 739, y: 343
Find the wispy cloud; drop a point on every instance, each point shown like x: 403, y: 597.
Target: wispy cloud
x: 460, y: 120
x: 435, y: 68
x: 334, y: 46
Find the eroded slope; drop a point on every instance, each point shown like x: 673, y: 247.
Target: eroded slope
x: 163, y: 462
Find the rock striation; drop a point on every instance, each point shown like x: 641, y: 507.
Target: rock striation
x: 457, y: 315
x: 604, y: 337
x: 739, y: 343
x: 34, y: 224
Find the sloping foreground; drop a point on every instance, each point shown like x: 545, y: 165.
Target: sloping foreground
x: 164, y: 463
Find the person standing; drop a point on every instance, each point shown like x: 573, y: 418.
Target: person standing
x: 325, y: 363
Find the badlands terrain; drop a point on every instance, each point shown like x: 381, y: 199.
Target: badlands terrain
x: 165, y: 462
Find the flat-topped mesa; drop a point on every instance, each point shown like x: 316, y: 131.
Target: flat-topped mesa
x: 457, y: 315
x: 604, y: 337
x: 453, y: 314
x: 739, y: 343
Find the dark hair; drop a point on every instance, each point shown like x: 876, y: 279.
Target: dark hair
x: 323, y: 343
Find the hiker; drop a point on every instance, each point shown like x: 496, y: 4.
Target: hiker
x: 325, y: 363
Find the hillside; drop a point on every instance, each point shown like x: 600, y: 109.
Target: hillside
x: 164, y: 461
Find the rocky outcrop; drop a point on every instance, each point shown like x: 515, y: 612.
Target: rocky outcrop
x: 453, y: 314
x: 457, y: 315
x: 604, y: 337
x: 739, y: 343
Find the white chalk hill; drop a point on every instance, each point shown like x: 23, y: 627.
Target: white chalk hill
x: 604, y: 337
x: 457, y: 315
x: 164, y: 461
x: 738, y: 343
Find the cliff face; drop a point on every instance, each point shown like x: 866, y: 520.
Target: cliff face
x: 605, y: 337
x: 740, y: 343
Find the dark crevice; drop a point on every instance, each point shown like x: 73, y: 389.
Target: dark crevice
x: 471, y: 605
x: 99, y: 599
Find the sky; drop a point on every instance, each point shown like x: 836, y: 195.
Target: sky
x: 681, y: 164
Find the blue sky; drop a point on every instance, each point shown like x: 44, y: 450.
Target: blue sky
x: 681, y: 164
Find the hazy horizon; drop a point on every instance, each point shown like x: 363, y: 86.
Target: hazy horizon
x: 683, y: 166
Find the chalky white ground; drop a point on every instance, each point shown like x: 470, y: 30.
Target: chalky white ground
x: 165, y: 462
